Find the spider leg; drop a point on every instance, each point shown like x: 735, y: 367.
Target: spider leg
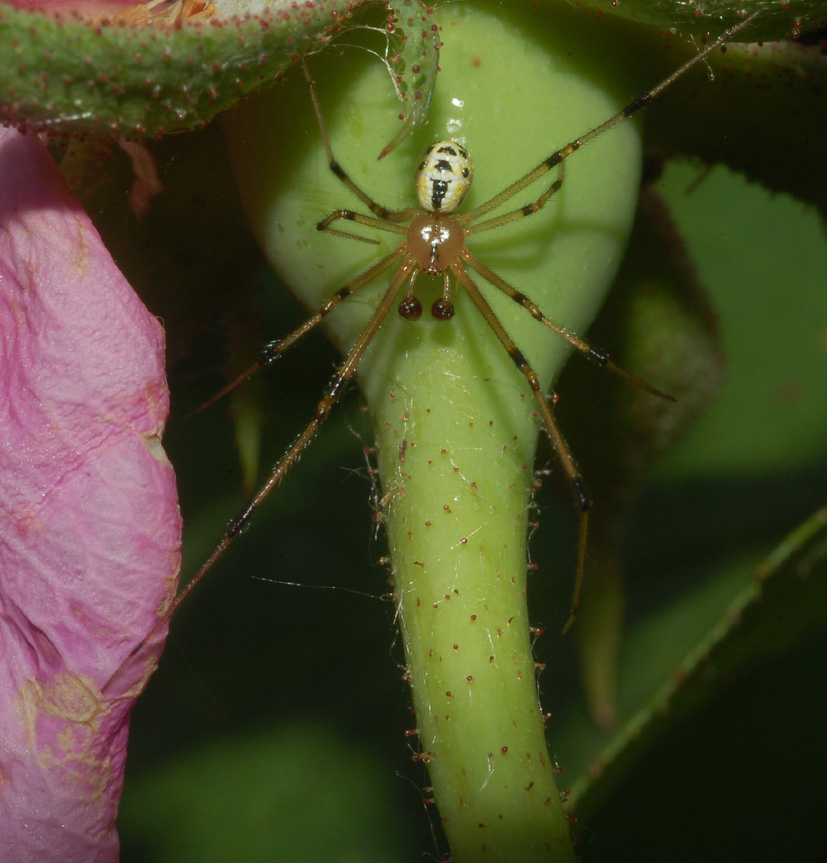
x: 334, y: 389
x: 551, y: 427
x: 515, y: 215
x: 276, y: 348
x: 623, y: 114
x: 360, y: 219
x: 589, y: 351
x: 376, y: 208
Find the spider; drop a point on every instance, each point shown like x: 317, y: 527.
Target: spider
x: 432, y: 243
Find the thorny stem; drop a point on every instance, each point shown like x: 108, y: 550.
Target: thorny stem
x: 462, y: 608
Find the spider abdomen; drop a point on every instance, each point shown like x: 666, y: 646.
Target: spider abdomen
x: 443, y: 177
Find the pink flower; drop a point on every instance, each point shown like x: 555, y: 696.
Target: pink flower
x: 89, y: 524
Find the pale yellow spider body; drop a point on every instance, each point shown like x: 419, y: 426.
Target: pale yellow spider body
x: 443, y: 177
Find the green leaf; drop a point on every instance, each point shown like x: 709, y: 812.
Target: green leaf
x: 776, y: 21
x: 339, y: 802
x: 781, y: 601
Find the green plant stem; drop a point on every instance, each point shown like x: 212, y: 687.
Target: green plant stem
x: 455, y: 420
x: 456, y: 522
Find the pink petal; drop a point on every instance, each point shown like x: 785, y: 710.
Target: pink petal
x: 91, y: 8
x: 89, y: 524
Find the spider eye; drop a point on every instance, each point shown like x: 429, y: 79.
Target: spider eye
x: 443, y: 177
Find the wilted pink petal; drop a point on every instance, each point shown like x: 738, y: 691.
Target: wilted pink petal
x: 89, y: 525
x: 90, y: 8
x: 134, y: 12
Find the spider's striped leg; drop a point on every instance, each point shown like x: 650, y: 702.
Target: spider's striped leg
x: 589, y: 351
x: 515, y: 215
x: 275, y: 349
x: 376, y: 208
x: 560, y: 445
x: 360, y: 219
x: 343, y: 374
x: 623, y: 114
